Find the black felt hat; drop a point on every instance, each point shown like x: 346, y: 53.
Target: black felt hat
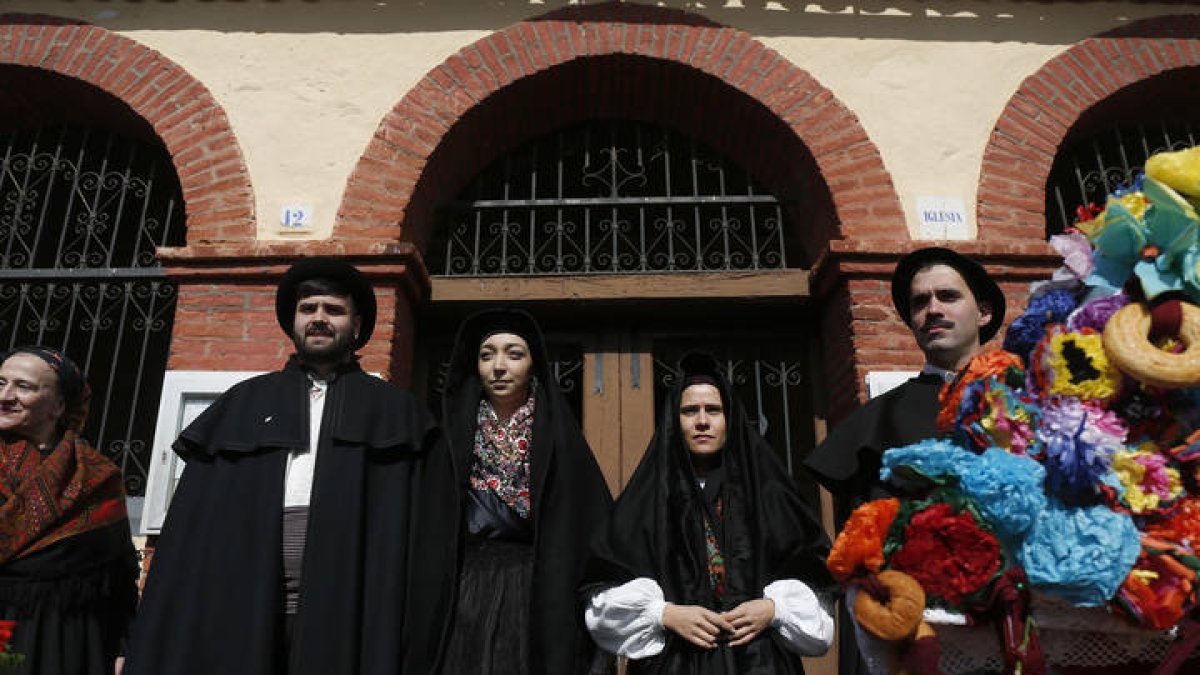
x: 334, y: 270
x: 982, y: 286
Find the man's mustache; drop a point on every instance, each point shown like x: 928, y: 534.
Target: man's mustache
x: 937, y: 323
x: 319, y: 329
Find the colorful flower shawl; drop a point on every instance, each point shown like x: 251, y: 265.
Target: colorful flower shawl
x: 501, y: 463
x: 45, y: 499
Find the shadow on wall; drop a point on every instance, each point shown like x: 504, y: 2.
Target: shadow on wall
x: 943, y: 20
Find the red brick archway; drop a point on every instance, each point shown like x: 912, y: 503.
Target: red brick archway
x: 182, y: 112
x: 1023, y: 144
x: 715, y: 83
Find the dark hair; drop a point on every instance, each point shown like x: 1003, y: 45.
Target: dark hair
x: 321, y: 286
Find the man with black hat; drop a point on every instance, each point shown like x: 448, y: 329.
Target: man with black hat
x: 286, y: 546
x: 953, y: 308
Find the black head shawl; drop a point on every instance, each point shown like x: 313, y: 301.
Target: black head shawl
x: 569, y: 498
x: 657, y: 531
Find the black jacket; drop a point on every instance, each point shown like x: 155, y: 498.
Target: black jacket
x: 213, y: 600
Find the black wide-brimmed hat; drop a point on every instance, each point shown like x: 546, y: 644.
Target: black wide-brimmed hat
x: 334, y: 270
x: 981, y: 284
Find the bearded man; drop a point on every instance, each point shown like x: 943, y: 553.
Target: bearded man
x: 286, y: 546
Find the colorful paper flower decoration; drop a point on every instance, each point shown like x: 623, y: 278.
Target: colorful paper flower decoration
x: 1143, y: 481
x: 1045, y: 309
x: 1009, y: 491
x: 859, y: 546
x: 994, y: 415
x: 1074, y: 364
x: 1161, y: 588
x: 997, y: 363
x: 945, y: 544
x: 1006, y: 489
x: 1148, y: 231
x: 1079, y: 442
x: 1081, y: 554
x: 935, y: 461
x: 1095, y: 314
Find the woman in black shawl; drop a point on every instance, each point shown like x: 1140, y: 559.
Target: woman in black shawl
x: 520, y: 486
x: 68, y: 570
x: 710, y: 562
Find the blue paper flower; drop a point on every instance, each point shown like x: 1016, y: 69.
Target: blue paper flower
x: 1151, y: 233
x: 1009, y: 490
x: 936, y: 460
x: 1080, y: 553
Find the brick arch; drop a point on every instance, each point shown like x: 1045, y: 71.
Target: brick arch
x: 635, y: 61
x: 181, y: 111
x: 1039, y: 116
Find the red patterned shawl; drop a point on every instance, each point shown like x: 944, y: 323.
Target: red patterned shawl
x: 45, y: 499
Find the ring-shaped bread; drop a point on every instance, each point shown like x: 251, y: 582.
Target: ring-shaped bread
x: 1127, y: 341
x: 898, y: 618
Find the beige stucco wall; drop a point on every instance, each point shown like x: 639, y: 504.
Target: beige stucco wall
x: 305, y: 84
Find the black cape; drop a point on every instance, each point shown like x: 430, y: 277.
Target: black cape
x: 847, y: 463
x: 214, y: 600
x: 657, y: 531
x: 568, y: 497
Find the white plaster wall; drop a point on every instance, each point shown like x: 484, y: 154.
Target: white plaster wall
x: 306, y: 83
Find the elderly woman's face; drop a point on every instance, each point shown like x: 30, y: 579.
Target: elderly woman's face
x: 30, y: 403
x: 702, y: 419
x: 505, y: 367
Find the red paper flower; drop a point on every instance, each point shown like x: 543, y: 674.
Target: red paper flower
x: 6, y: 633
x: 947, y: 550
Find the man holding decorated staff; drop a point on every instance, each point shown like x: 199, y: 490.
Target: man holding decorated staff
x: 952, y: 307
x: 286, y: 546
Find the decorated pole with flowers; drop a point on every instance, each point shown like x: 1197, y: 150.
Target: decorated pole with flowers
x: 1067, y: 469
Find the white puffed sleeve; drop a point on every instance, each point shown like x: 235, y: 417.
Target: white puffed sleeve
x: 627, y: 619
x: 803, y: 623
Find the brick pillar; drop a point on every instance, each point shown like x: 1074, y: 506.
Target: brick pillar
x: 225, y: 318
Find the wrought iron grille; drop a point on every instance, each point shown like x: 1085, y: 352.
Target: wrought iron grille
x: 1088, y: 170
x: 610, y: 197
x: 81, y: 212
x: 770, y: 379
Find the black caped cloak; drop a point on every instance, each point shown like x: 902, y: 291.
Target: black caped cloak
x: 568, y: 501
x: 657, y: 531
x: 214, y: 598
x: 847, y: 463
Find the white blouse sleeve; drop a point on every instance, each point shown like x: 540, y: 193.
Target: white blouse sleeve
x: 627, y: 619
x: 801, y: 620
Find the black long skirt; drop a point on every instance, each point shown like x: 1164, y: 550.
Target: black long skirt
x: 490, y: 633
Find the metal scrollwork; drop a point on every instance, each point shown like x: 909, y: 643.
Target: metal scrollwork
x: 79, y: 224
x: 1087, y: 171
x: 610, y: 197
